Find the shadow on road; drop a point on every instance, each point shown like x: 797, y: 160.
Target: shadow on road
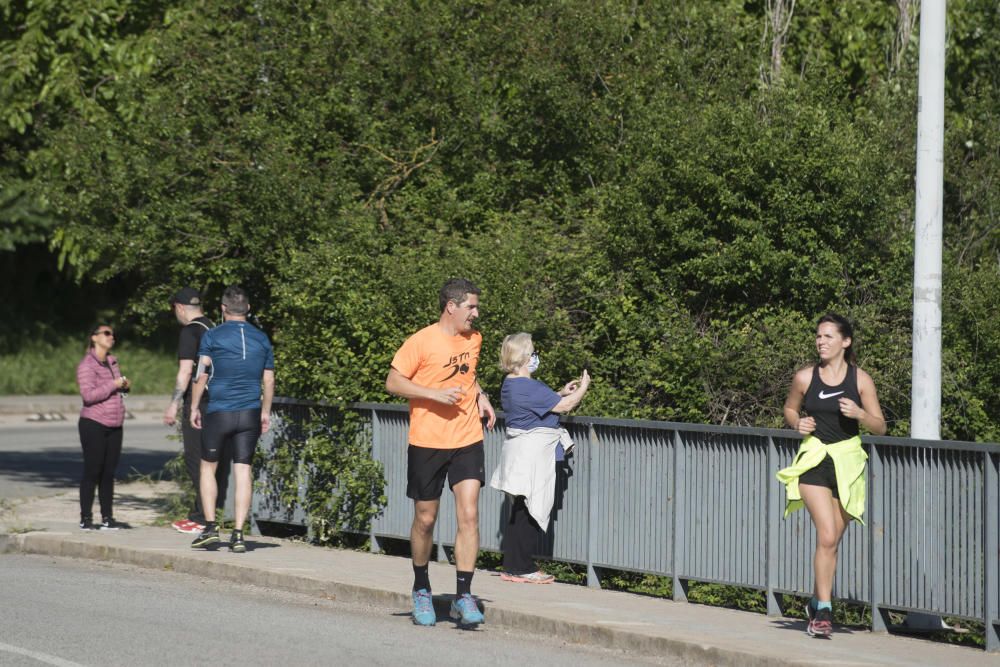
x: 57, y: 469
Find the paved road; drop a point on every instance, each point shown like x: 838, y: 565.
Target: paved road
x: 43, y: 459
x: 65, y: 612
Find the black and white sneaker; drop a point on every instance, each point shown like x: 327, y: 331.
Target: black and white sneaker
x: 108, y: 523
x: 236, y: 543
x: 208, y: 536
x: 87, y: 524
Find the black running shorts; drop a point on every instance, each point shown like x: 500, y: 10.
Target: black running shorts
x: 426, y: 469
x: 824, y: 474
x: 238, y: 431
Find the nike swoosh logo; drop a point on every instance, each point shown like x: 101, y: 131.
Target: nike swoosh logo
x: 825, y: 395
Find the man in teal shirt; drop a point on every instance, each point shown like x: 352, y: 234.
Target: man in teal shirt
x: 239, y: 363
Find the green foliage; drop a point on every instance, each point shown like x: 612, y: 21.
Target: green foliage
x: 180, y: 502
x: 20, y: 220
x: 614, y: 177
x: 326, y: 467
x: 61, y: 59
x: 50, y: 368
x: 64, y: 54
x: 854, y: 38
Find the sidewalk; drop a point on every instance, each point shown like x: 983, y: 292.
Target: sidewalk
x: 68, y: 405
x: 690, y: 633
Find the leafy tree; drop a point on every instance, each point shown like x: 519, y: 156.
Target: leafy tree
x: 614, y: 177
x: 60, y: 57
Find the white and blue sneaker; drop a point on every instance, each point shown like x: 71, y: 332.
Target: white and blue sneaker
x: 423, y: 608
x: 465, y: 610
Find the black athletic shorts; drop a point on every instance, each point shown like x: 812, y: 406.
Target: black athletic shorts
x: 237, y: 431
x: 426, y: 469
x: 824, y: 474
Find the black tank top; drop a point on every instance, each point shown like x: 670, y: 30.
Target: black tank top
x: 822, y: 403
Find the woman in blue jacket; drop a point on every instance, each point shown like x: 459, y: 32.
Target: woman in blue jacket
x: 528, y: 459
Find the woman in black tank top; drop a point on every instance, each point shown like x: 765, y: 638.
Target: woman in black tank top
x: 837, y: 397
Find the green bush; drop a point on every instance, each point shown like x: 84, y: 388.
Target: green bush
x: 616, y: 179
x: 47, y: 368
x: 325, y: 465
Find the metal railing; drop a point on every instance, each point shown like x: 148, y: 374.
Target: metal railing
x: 700, y: 503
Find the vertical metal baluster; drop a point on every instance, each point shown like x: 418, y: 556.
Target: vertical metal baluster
x: 376, y: 431
x: 991, y: 555
x: 876, y: 537
x: 771, y: 551
x: 593, y: 580
x: 677, y: 561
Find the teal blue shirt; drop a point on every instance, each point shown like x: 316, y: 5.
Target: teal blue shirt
x: 240, y: 354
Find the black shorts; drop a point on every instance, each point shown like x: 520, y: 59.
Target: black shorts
x: 426, y: 469
x: 824, y: 474
x: 236, y: 431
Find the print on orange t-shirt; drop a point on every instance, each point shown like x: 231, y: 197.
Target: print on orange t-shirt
x: 434, y: 359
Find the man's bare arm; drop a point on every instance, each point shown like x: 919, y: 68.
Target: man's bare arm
x: 398, y: 384
x: 267, y: 384
x: 184, y: 369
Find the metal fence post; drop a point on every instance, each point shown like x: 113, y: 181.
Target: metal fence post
x: 771, y: 550
x: 876, y: 534
x: 991, y: 557
x: 593, y: 580
x: 376, y: 426
x: 679, y: 585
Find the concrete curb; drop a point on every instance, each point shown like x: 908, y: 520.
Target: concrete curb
x: 689, y: 653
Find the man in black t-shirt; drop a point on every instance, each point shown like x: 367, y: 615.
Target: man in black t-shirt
x: 187, y: 307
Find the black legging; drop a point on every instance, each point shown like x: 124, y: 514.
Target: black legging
x: 520, y: 539
x: 102, y: 447
x: 192, y: 460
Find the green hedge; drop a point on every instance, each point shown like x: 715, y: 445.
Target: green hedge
x: 46, y: 368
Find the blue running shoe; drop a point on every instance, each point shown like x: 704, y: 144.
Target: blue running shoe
x: 465, y: 610
x: 423, y: 608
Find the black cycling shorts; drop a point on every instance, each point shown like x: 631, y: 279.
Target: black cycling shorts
x: 824, y: 474
x: 236, y: 431
x: 426, y: 469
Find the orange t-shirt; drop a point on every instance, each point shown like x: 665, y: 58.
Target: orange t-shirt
x: 434, y: 359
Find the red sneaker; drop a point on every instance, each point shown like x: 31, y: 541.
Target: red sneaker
x: 821, y: 624
x: 180, y: 525
x: 193, y: 528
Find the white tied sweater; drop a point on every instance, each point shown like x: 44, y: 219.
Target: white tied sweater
x: 527, y: 468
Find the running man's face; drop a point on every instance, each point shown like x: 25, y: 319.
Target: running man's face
x: 463, y: 314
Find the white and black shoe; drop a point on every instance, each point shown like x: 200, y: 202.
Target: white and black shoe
x: 108, y: 523
x: 87, y: 524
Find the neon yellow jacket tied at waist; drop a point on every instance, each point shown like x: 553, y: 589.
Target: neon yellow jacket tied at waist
x: 849, y: 461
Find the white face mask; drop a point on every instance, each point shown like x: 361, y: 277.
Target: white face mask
x: 533, y: 362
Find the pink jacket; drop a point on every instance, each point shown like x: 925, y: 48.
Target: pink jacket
x: 101, y: 400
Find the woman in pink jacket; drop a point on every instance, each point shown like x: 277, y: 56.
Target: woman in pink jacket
x: 101, y: 387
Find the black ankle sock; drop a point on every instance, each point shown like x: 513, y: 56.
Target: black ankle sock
x: 421, y: 578
x: 463, y: 582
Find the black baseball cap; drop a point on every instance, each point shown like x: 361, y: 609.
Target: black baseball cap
x: 187, y: 296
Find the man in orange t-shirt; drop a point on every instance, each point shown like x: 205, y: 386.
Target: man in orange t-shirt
x: 435, y: 369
